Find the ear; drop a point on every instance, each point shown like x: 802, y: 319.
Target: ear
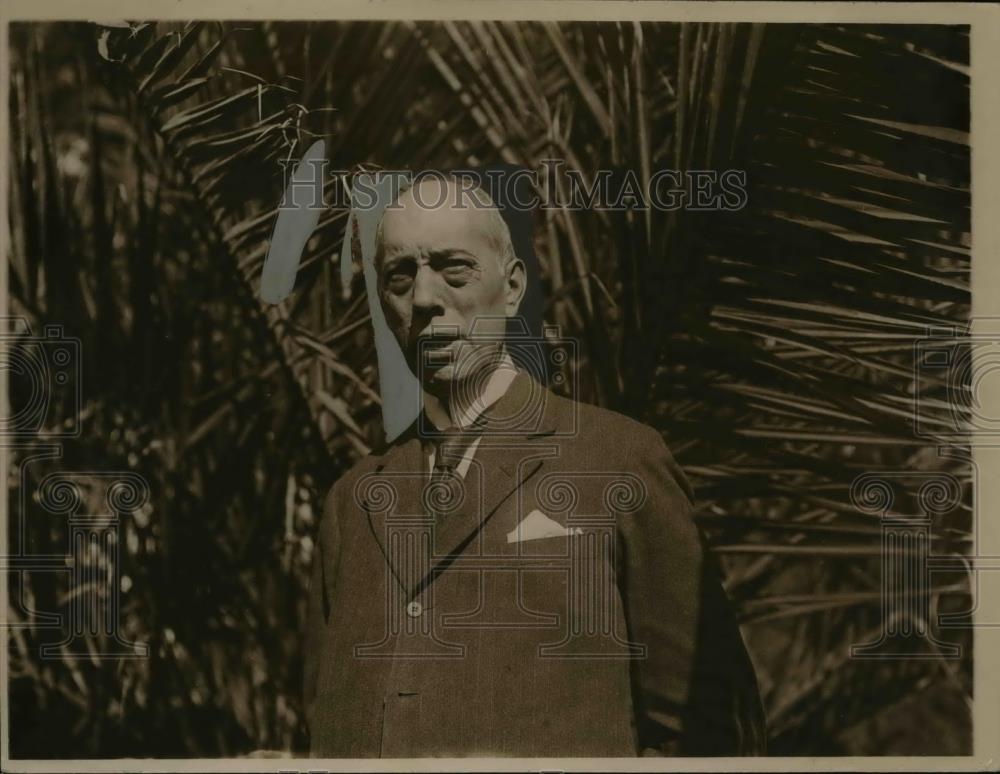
x: 516, y: 280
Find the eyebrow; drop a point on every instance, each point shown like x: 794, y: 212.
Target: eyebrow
x: 393, y: 259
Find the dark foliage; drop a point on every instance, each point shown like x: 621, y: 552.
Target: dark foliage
x: 773, y: 346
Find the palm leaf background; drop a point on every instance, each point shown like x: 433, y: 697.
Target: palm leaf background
x: 773, y: 346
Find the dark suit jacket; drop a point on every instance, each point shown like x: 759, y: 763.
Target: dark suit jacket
x: 434, y: 635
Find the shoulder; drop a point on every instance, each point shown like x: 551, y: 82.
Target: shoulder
x: 610, y: 429
x: 347, y: 483
x: 611, y: 438
x: 343, y: 496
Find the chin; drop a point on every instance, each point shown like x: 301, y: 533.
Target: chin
x: 440, y: 382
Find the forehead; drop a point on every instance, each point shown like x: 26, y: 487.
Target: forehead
x: 435, y: 215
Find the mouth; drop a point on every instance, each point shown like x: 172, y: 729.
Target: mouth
x: 436, y: 350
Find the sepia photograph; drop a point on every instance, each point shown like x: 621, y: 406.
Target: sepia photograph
x: 591, y: 382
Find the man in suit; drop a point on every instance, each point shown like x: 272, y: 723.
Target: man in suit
x: 518, y: 574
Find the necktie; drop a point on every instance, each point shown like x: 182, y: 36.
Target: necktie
x: 449, y: 447
x: 445, y: 492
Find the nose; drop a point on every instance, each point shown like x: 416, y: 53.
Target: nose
x: 425, y: 296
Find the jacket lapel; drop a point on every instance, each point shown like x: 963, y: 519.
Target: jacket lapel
x: 393, y: 502
x: 496, y: 474
x: 511, y: 450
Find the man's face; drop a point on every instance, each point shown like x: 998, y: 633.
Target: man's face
x: 439, y: 274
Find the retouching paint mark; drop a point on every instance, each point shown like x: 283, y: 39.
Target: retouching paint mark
x: 398, y: 387
x: 297, y: 217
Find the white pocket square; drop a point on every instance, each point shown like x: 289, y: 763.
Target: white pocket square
x: 536, y: 525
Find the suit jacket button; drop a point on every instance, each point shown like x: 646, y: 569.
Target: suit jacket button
x: 414, y: 609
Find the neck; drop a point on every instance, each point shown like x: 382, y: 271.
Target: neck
x: 460, y: 408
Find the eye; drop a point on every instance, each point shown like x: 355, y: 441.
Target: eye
x: 457, y: 272
x: 398, y: 279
